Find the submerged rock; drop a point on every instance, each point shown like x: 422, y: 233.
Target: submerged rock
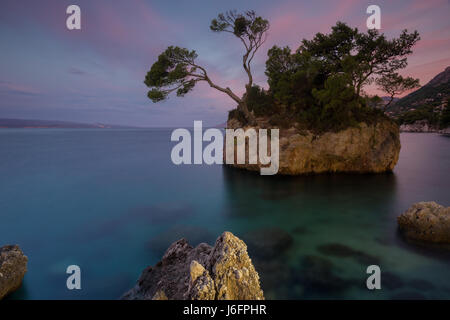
x: 13, y: 266
x: 342, y: 251
x: 222, y: 272
x: 318, y: 275
x: 426, y: 221
x: 268, y: 242
x: 364, y: 149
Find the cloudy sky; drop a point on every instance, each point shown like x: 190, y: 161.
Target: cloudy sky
x: 96, y: 74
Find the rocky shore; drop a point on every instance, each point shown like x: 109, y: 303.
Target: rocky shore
x: 418, y: 126
x: 427, y: 222
x: 222, y: 272
x: 13, y: 266
x: 424, y: 127
x: 364, y: 149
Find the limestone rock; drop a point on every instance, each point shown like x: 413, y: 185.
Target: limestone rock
x: 234, y: 275
x: 13, y: 266
x: 224, y: 271
x: 160, y: 295
x: 201, y: 285
x: 426, y: 221
x: 364, y: 149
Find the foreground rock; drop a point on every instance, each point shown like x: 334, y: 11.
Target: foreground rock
x: 365, y: 149
x: 426, y: 221
x: 222, y: 272
x: 13, y: 266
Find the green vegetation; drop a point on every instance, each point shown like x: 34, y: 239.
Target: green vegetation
x: 429, y: 94
x: 394, y: 84
x: 319, y: 86
x: 177, y: 71
x: 445, y: 116
x: 422, y: 113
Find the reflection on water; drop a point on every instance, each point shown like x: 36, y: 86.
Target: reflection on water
x: 346, y: 223
x: 334, y: 222
x: 111, y: 201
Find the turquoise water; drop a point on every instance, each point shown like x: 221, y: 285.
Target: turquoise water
x: 111, y: 201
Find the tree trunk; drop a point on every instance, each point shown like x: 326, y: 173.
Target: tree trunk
x: 242, y: 106
x: 388, y: 104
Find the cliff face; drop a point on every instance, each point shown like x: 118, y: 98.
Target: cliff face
x: 364, y: 149
x: 222, y: 272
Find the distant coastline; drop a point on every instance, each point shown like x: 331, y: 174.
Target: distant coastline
x: 35, y: 124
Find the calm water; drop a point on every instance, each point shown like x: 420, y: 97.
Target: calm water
x: 111, y: 202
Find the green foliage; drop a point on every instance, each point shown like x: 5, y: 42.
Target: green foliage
x: 243, y: 25
x: 445, y: 116
x: 173, y: 71
x: 321, y: 83
x: 394, y: 84
x: 422, y: 113
x: 259, y: 101
x: 238, y: 115
x: 425, y: 93
x: 281, y: 120
x: 374, y: 102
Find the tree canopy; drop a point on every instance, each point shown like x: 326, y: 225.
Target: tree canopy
x: 320, y: 84
x: 176, y: 69
x: 322, y: 81
x: 394, y: 84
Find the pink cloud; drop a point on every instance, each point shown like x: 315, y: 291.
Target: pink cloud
x: 11, y: 87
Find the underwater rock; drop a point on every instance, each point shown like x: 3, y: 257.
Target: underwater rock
x: 222, y: 272
x: 426, y: 221
x: 392, y: 281
x: 421, y: 285
x: 318, y: 275
x: 13, y: 266
x: 268, y: 243
x: 342, y: 251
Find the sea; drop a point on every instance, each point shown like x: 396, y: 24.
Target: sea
x: 111, y: 202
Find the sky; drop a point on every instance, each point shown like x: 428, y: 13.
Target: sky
x: 96, y: 74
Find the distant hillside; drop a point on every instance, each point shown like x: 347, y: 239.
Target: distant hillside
x: 387, y: 99
x: 21, y: 123
x: 433, y: 94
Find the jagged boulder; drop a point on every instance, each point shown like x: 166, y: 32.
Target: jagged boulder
x: 201, y: 285
x: 426, y: 221
x: 13, y: 266
x: 224, y: 271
